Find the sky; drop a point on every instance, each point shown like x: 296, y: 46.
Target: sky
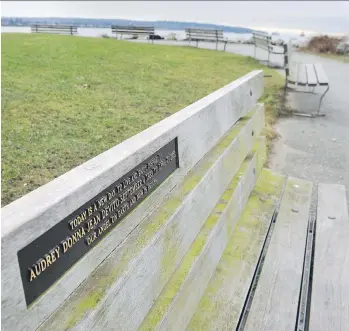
x: 317, y: 16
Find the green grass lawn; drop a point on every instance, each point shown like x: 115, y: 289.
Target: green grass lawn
x: 66, y: 99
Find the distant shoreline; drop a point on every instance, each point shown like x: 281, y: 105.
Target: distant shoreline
x: 106, y: 23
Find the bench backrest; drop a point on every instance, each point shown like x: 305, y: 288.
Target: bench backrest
x: 288, y: 49
x: 204, y: 34
x: 262, y: 40
x: 54, y: 29
x: 133, y: 30
x: 103, y: 239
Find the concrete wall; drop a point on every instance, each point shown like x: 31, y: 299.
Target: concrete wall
x: 197, y: 127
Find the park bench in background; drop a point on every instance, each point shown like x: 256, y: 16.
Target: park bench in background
x: 263, y: 40
x: 184, y: 230
x: 304, y: 75
x: 133, y: 31
x: 54, y: 29
x: 205, y: 35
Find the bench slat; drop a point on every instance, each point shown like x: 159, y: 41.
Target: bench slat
x: 204, y: 34
x: 191, y: 279
x: 55, y: 32
x: 224, y: 297
x: 330, y: 291
x: 261, y: 35
x: 311, y: 75
x: 292, y: 78
x: 133, y: 30
x: 53, y: 26
x: 202, y: 30
x: 275, y: 302
x: 205, y: 38
x: 301, y: 75
x: 133, y: 27
x: 54, y: 29
x: 207, y: 34
x: 262, y: 43
x: 321, y: 75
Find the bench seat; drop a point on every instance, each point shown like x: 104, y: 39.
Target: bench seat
x: 307, y: 75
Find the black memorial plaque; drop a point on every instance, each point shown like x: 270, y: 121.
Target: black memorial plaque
x: 48, y: 257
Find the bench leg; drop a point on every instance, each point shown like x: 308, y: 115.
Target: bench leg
x: 318, y: 111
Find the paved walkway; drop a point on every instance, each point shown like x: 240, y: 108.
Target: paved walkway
x: 317, y: 149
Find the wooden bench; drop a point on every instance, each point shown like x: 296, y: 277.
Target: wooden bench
x: 54, y: 29
x: 133, y: 30
x: 263, y: 40
x: 216, y: 241
x: 298, y: 285
x: 206, y: 35
x: 304, y: 75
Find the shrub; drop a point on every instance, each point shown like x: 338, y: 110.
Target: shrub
x: 323, y: 44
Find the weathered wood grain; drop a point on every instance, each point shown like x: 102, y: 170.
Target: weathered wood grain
x: 330, y: 291
x: 301, y: 75
x: 224, y: 298
x: 129, y: 280
x: 275, y: 302
x: 312, y: 78
x: 177, y: 302
x: 321, y: 75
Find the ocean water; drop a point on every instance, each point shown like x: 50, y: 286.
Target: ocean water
x: 180, y: 34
